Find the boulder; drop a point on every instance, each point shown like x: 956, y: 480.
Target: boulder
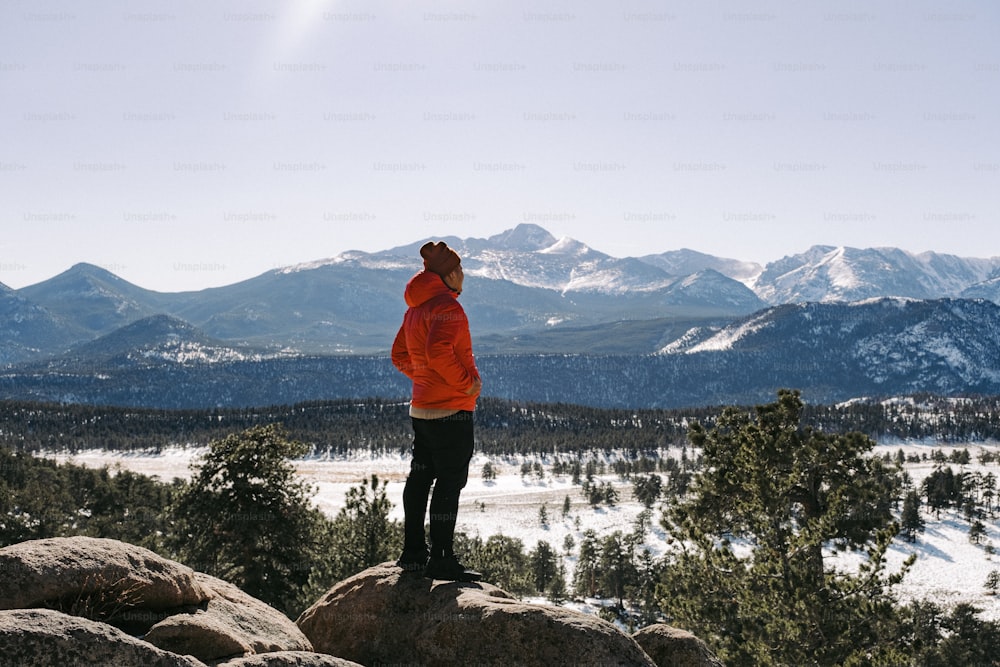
x: 290, y: 659
x: 383, y: 616
x: 97, y: 576
x: 230, y: 623
x: 671, y: 647
x: 48, y: 637
x: 174, y: 609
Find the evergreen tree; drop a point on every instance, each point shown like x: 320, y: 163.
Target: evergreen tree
x: 608, y: 493
x: 788, y: 492
x: 503, y: 562
x: 246, y: 518
x: 643, y: 591
x: 556, y: 592
x: 362, y: 535
x: 544, y: 565
x: 977, y: 532
x: 911, y: 522
x: 993, y: 582
x: 617, y: 571
x: 647, y: 489
x: 956, y: 638
x: 585, y: 577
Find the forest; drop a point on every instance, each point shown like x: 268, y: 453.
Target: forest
x: 503, y: 427
x: 797, y: 479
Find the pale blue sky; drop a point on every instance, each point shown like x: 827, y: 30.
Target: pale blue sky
x: 191, y: 144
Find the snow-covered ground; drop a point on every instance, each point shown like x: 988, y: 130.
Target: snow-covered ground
x: 949, y: 568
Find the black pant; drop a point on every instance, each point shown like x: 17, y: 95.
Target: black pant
x: 442, y: 449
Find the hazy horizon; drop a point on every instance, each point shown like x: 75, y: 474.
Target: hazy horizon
x: 184, y: 145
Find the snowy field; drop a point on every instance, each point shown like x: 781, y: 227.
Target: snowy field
x: 949, y: 568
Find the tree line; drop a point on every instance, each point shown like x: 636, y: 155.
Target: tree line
x: 504, y: 427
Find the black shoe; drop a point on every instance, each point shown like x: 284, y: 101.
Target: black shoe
x: 447, y: 568
x: 413, y: 560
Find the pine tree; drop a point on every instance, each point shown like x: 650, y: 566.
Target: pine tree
x: 911, y: 522
x: 544, y: 565
x: 992, y: 582
x: 362, y: 535
x: 556, y: 592
x: 503, y: 562
x: 617, y: 568
x: 647, y: 489
x: 246, y: 518
x: 977, y: 532
x: 568, y: 544
x: 585, y: 576
x: 787, y: 492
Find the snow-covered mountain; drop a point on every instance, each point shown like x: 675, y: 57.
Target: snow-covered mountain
x: 988, y: 289
x: 937, y: 346
x: 530, y: 256
x: 684, y: 262
x: 826, y: 273
x: 832, y: 352
x: 521, y: 284
x: 156, y: 340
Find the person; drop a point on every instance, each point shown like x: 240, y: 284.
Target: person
x: 433, y: 347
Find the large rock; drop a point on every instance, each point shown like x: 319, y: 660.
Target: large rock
x: 106, y: 583
x: 48, y: 637
x: 104, y: 576
x: 382, y: 616
x: 671, y: 647
x: 231, y: 623
x: 290, y: 659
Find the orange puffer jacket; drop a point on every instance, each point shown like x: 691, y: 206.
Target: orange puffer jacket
x: 433, y: 346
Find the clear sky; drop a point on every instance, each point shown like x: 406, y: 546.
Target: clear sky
x: 187, y: 144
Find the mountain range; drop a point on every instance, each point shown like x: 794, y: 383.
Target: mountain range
x: 531, y: 299
x: 833, y: 352
x: 522, y: 285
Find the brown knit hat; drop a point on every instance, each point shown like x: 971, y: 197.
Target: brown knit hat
x: 439, y: 258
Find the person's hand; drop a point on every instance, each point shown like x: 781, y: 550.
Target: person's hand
x: 477, y: 386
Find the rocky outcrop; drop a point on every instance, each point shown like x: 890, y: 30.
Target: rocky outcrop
x: 290, y: 659
x: 98, y: 592
x: 230, y: 623
x: 104, y: 575
x: 48, y: 637
x: 671, y: 647
x: 78, y: 600
x: 383, y: 616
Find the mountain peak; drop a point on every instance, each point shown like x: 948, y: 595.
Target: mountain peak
x: 525, y: 237
x: 566, y: 246
x: 90, y: 271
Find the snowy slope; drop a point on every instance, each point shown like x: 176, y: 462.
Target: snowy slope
x: 948, y: 569
x: 827, y: 273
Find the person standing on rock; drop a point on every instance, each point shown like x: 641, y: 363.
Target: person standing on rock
x: 434, y: 349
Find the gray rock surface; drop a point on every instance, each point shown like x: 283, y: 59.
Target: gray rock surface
x: 93, y: 573
x: 231, y: 623
x: 289, y: 659
x: 671, y: 647
x: 30, y: 637
x: 382, y: 616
